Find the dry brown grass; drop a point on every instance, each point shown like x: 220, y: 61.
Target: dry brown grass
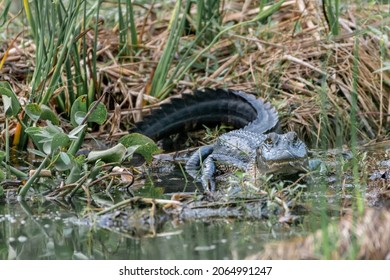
x: 289, y: 62
x: 369, y: 236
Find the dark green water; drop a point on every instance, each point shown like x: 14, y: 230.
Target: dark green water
x: 48, y: 231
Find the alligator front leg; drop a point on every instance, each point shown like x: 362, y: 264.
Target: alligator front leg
x: 208, y: 174
x: 195, y: 162
x: 201, y: 167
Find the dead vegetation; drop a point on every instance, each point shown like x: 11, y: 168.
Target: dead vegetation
x: 367, y: 237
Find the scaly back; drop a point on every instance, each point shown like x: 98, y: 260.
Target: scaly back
x: 209, y: 107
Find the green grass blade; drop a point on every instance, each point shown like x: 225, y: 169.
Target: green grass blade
x: 176, y: 28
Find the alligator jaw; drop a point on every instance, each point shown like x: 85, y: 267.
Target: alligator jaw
x: 284, y: 167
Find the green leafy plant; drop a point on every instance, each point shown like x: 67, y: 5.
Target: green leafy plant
x: 55, y: 146
x: 138, y: 143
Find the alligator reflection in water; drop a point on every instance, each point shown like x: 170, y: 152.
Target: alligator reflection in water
x: 141, y: 217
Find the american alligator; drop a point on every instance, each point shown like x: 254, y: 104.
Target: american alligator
x: 254, y: 148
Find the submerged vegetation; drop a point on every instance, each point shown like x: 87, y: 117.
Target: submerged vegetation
x: 76, y: 75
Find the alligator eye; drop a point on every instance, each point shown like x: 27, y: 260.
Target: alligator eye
x: 268, y: 141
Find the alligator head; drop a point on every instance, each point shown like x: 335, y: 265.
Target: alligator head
x: 281, y: 154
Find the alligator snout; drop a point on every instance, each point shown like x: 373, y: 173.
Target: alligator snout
x: 281, y: 154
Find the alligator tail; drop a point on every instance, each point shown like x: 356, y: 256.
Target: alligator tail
x: 208, y: 107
